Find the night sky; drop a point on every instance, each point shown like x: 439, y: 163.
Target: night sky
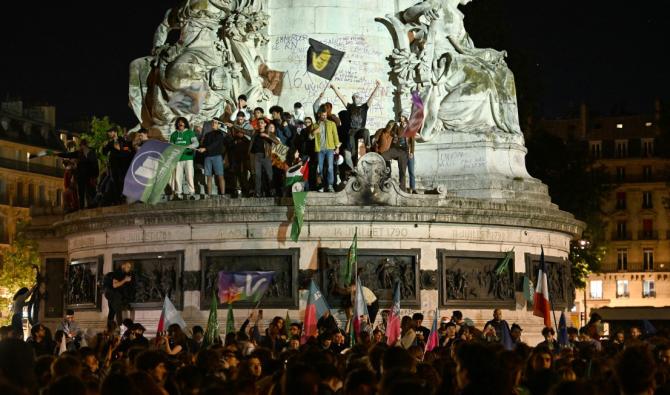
x: 610, y: 53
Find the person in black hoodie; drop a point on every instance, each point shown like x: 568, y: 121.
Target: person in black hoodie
x: 213, y: 148
x: 119, y: 152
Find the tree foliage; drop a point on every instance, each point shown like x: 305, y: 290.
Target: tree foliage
x: 97, y: 136
x: 578, y: 186
x: 17, y: 271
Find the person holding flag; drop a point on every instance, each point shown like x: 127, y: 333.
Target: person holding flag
x: 433, y: 339
x: 316, y: 308
x: 393, y: 323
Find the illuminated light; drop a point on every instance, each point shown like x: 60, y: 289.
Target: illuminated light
x: 648, y: 124
x: 619, y: 125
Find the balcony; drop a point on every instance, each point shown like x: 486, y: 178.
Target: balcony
x: 31, y: 167
x: 647, y: 235
x: 650, y: 294
x: 619, y: 236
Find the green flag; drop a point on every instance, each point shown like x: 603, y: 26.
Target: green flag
x: 347, y: 270
x: 528, y: 289
x: 212, y: 332
x: 299, y: 203
x: 230, y: 322
x: 504, y: 264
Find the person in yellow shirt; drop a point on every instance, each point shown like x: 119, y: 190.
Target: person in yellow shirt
x: 326, y: 144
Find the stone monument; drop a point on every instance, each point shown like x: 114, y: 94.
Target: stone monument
x: 473, y: 145
x: 444, y: 248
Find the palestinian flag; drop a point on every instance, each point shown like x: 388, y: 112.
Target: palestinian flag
x: 297, y: 173
x: 393, y: 321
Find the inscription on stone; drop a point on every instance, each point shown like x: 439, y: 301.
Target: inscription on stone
x: 468, y: 279
x: 155, y: 275
x: 283, y: 292
x: 379, y: 270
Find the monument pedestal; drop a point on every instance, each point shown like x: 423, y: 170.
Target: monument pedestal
x: 484, y: 165
x: 443, y: 250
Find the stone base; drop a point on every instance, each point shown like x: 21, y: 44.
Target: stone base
x: 486, y: 165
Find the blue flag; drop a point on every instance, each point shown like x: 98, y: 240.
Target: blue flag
x: 150, y: 171
x: 506, y: 338
x: 562, y: 331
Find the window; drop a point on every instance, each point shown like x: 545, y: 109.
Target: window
x: 646, y: 200
x: 648, y: 147
x: 621, y: 200
x: 621, y: 231
x: 646, y: 173
x: 19, y: 193
x: 621, y: 148
x: 621, y: 174
x: 648, y: 289
x: 31, y: 194
x: 622, y: 289
x: 596, y: 289
x: 596, y: 149
x: 622, y: 259
x: 648, y: 258
x: 42, y: 196
x: 647, y: 229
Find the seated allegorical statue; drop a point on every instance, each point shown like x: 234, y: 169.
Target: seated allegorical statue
x: 464, y: 88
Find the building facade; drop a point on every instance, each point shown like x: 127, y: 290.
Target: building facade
x: 24, y: 182
x: 630, y: 151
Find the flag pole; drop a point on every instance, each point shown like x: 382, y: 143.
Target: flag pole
x: 551, y: 303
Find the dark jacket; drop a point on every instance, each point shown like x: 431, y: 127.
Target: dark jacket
x: 214, y: 143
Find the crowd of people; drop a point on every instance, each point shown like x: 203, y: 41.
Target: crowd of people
x: 247, y: 153
x: 278, y: 358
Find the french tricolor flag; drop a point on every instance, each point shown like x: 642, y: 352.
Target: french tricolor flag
x: 541, y: 305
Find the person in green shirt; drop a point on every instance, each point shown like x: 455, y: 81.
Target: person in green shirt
x: 184, y: 137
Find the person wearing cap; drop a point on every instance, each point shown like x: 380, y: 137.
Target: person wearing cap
x: 241, y: 107
x: 358, y: 114
x: 213, y: 149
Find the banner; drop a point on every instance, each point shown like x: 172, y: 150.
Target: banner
x: 299, y: 203
x: 150, y: 171
x: 323, y: 60
x: 238, y: 286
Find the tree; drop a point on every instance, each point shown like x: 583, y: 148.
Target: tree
x: 16, y: 271
x: 578, y: 186
x: 97, y: 136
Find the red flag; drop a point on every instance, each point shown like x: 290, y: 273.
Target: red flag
x: 541, y: 306
x: 393, y: 321
x: 433, y: 338
x: 316, y: 308
x: 416, y: 118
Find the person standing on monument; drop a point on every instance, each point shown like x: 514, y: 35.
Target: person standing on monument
x: 118, y: 150
x: 238, y: 156
x: 241, y: 107
x: 213, y: 149
x: 410, y: 144
x: 326, y: 144
x: 497, y: 323
x: 119, y: 288
x: 358, y: 115
x: 261, y: 149
x: 184, y: 137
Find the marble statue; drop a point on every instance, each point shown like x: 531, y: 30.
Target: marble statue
x: 464, y: 88
x: 216, y: 58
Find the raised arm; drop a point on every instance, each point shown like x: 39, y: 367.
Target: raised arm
x: 374, y: 92
x: 339, y: 95
x: 427, y: 8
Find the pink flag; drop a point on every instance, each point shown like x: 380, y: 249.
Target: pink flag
x: 393, y: 321
x: 416, y: 118
x: 433, y: 338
